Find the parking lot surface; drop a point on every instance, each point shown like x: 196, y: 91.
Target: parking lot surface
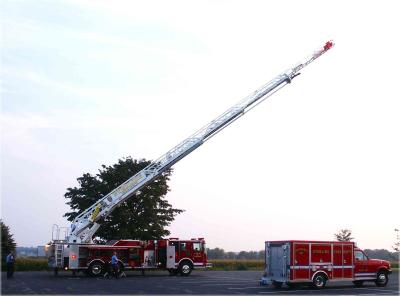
x: 199, y: 282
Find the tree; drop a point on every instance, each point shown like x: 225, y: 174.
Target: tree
x: 344, y: 235
x: 7, y: 242
x: 143, y: 216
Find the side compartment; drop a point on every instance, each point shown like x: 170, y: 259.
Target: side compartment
x: 301, y: 261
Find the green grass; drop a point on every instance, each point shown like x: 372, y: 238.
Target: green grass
x: 29, y: 264
x: 227, y: 264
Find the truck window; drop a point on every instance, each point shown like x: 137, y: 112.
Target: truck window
x: 359, y: 256
x: 197, y: 247
x: 183, y: 247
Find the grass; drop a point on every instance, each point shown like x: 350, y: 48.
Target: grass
x: 28, y: 264
x: 226, y: 264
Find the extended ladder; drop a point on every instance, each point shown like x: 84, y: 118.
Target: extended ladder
x: 85, y: 226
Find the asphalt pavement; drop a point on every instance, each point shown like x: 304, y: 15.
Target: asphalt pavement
x: 159, y: 282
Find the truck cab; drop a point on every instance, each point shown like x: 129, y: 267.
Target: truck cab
x: 366, y: 269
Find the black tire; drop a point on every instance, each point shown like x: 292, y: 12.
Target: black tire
x: 358, y: 283
x: 185, y: 268
x: 277, y: 285
x: 96, y: 268
x: 381, y: 278
x: 319, y: 281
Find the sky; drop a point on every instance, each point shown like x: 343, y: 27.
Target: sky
x: 85, y: 83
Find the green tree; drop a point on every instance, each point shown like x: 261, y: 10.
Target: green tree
x: 7, y: 242
x: 344, y: 235
x: 142, y: 216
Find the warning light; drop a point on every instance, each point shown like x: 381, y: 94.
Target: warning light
x: 73, y: 257
x: 328, y: 45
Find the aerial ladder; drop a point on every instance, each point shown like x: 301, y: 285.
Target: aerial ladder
x: 86, y: 223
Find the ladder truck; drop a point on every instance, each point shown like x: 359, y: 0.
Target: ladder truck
x: 74, y: 248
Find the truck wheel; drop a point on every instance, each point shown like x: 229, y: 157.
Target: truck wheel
x: 319, y: 281
x: 277, y: 285
x: 381, y: 279
x: 358, y: 283
x: 96, y: 268
x: 185, y: 268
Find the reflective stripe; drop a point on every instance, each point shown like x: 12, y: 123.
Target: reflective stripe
x: 361, y: 274
x: 320, y: 266
x: 198, y: 264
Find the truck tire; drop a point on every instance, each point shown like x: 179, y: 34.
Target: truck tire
x: 381, y: 278
x: 96, y: 268
x: 185, y: 268
x: 319, y: 281
x: 358, y: 283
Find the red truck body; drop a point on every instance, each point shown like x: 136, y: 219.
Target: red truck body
x: 174, y: 255
x: 317, y: 262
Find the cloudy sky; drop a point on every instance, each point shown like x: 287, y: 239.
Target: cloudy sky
x: 84, y: 83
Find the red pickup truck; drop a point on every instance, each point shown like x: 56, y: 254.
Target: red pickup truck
x: 316, y: 262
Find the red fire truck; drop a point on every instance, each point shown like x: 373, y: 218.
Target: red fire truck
x: 176, y: 256
x: 315, y: 262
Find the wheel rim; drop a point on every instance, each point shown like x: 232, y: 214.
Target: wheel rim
x: 96, y: 269
x: 382, y: 278
x: 319, y: 281
x: 185, y: 268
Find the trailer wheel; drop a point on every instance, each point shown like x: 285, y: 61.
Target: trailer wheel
x: 381, y: 279
x: 96, y: 268
x: 319, y: 281
x: 185, y: 268
x: 358, y: 283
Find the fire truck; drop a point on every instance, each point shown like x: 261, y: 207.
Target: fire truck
x: 73, y: 248
x: 316, y: 262
x: 175, y: 255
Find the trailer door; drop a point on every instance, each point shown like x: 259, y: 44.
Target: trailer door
x: 278, y: 261
x: 301, y: 260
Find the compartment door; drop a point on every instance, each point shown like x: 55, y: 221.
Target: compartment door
x: 170, y: 256
x: 301, y: 260
x: 348, y: 267
x: 337, y: 261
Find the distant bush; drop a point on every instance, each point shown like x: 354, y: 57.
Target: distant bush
x: 30, y: 264
x: 226, y: 264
